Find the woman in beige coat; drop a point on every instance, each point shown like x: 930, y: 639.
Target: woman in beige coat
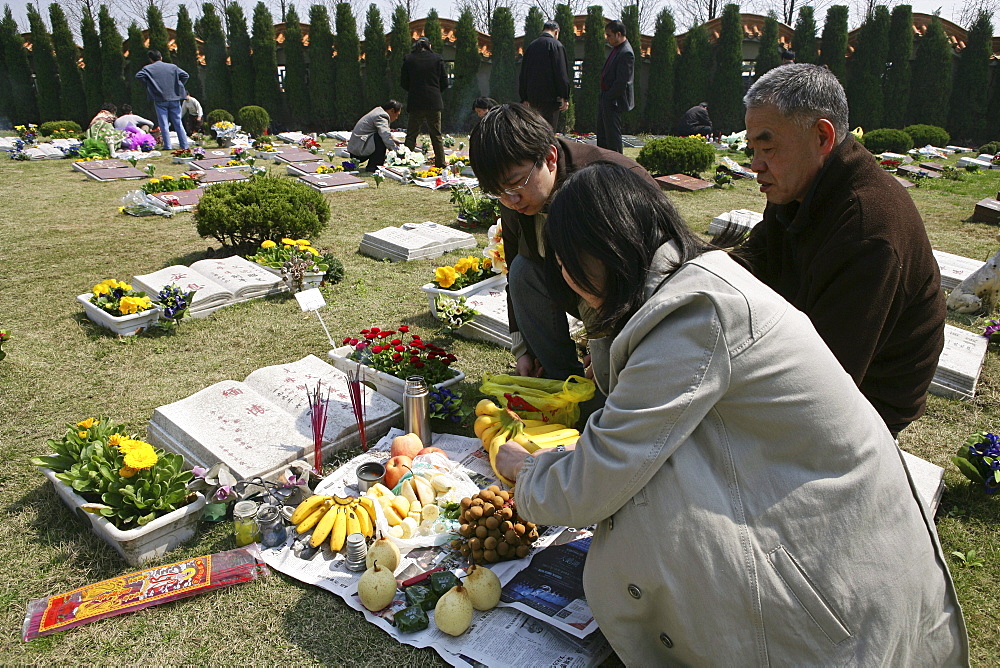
x: 751, y: 506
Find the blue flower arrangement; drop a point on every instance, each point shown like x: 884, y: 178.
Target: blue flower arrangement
x: 979, y: 460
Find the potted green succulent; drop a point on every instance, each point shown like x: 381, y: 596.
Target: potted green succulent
x: 134, y: 495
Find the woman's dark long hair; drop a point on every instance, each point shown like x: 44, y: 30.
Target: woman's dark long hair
x: 611, y: 214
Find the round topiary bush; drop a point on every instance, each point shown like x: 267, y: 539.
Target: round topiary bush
x: 217, y: 116
x: 992, y: 148
x: 922, y: 135
x: 264, y: 207
x: 49, y: 127
x: 888, y: 139
x: 254, y: 120
x: 676, y: 155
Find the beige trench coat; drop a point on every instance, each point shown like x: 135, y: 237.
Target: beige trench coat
x: 751, y: 506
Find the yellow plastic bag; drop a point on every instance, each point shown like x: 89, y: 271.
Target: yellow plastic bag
x: 858, y: 132
x: 540, y: 398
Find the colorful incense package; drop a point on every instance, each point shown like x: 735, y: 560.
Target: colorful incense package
x: 142, y: 589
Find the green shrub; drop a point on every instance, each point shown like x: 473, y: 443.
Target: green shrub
x: 888, y: 139
x: 676, y: 155
x: 218, y: 115
x: 49, y: 127
x: 248, y: 212
x: 254, y: 120
x: 922, y: 135
x: 992, y: 148
x: 335, y: 274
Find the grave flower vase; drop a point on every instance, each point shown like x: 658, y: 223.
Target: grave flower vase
x: 125, y: 325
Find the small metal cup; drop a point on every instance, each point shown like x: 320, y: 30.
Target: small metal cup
x: 369, y: 474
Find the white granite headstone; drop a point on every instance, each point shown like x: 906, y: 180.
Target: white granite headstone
x: 960, y: 364
x: 955, y: 268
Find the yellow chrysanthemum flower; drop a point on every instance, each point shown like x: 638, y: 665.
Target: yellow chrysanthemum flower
x: 82, y: 434
x: 268, y: 244
x: 125, y: 445
x: 126, y: 472
x: 88, y: 423
x: 445, y: 276
x: 288, y: 242
x: 167, y: 177
x: 141, y: 457
x: 154, y: 180
x: 303, y: 242
x: 115, y: 440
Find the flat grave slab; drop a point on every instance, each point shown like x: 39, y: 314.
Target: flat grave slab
x: 918, y: 172
x: 44, y: 152
x: 958, y: 149
x: 933, y: 166
x: 299, y: 155
x: 106, y: 172
x: 682, y: 182
x: 328, y: 183
x: 179, y: 200
x: 634, y: 142
x: 399, y: 245
x: 302, y: 168
x: 903, y: 159
x: 742, y: 219
x: 219, y: 176
x: 213, y: 153
x: 964, y: 162
x: 903, y: 182
x: 960, y: 364
x: 210, y: 163
x: 987, y: 211
x: 955, y: 268
x: 450, y: 238
x: 92, y: 165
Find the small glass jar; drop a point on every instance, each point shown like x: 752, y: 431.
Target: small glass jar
x: 244, y: 523
x: 272, y: 529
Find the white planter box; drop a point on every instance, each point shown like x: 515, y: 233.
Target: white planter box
x: 125, y: 325
x: 386, y: 385
x: 183, y: 161
x: 142, y: 544
x: 496, y: 282
x: 266, y: 155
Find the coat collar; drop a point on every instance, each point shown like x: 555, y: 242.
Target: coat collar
x: 664, y: 263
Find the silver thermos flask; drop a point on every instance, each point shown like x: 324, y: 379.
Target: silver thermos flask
x: 417, y: 409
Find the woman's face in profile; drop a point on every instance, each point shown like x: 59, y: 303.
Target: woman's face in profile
x: 596, y: 272
x: 481, y: 112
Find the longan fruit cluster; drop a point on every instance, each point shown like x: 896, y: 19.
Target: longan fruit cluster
x: 491, y: 530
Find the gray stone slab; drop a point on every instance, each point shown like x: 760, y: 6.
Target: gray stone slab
x: 742, y: 219
x: 955, y: 268
x: 960, y: 364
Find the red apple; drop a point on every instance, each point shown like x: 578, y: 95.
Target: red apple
x: 395, y: 469
x: 408, y: 445
x: 427, y: 451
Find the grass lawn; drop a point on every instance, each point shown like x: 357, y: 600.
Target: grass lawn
x: 62, y: 233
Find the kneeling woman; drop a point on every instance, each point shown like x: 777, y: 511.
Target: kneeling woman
x: 751, y: 506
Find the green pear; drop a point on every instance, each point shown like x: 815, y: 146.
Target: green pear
x: 453, y: 612
x: 483, y: 587
x: 385, y: 552
x: 377, y: 587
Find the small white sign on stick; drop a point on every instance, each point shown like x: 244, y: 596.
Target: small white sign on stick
x: 310, y: 300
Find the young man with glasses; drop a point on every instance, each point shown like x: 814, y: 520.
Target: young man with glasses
x: 517, y: 157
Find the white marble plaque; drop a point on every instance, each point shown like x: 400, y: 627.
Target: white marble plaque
x: 955, y: 268
x: 960, y: 363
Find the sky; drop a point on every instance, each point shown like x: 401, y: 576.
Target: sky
x: 448, y: 9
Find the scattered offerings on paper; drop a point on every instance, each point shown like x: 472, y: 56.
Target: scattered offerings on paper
x: 491, y: 529
x: 335, y: 517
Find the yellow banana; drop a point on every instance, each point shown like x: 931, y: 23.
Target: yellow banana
x: 525, y: 442
x: 535, y: 423
x: 489, y: 433
x: 324, y: 527
x: 487, y: 407
x: 552, y: 436
x: 543, y: 429
x: 495, y: 444
x: 339, y: 533
x: 368, y: 504
x: 343, y: 500
x: 353, y: 521
x: 313, y: 518
x: 365, y: 521
x: 568, y: 440
x: 306, y: 507
x: 481, y: 423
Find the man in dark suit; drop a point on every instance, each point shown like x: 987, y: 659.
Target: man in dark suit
x: 544, y: 84
x: 695, y: 121
x: 617, y: 94
x: 423, y: 76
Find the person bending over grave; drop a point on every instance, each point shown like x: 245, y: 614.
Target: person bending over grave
x: 517, y: 158
x: 751, y: 507
x: 371, y: 136
x: 127, y: 117
x: 842, y: 241
x: 107, y: 114
x: 695, y: 121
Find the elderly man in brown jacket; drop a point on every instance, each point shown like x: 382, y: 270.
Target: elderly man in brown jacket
x: 842, y: 241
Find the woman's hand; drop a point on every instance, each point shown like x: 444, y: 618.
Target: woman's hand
x: 510, y: 459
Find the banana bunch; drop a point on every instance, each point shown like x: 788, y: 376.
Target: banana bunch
x: 415, y: 505
x: 334, y: 517
x: 495, y: 426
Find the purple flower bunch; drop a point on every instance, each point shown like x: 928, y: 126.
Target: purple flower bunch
x: 991, y: 329
x: 446, y: 405
x: 175, y: 302
x: 979, y: 460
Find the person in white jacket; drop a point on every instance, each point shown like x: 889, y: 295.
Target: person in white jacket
x: 751, y: 505
x: 191, y: 114
x: 127, y: 117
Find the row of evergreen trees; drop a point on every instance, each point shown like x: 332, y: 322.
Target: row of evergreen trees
x: 323, y: 90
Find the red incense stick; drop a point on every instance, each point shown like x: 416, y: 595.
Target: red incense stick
x: 356, y: 392
x: 318, y: 402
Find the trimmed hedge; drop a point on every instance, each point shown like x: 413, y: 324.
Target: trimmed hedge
x: 888, y: 139
x: 46, y: 129
x: 217, y: 116
x: 254, y: 120
x: 676, y: 155
x: 922, y: 135
x: 264, y: 207
x: 992, y: 148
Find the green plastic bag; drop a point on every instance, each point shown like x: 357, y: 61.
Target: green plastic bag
x: 555, y: 401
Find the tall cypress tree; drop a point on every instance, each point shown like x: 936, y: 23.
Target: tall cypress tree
x: 296, y: 89
x: 632, y: 120
x: 399, y: 46
x: 866, y: 70
x: 322, y: 75
x: 693, y: 68
x: 466, y: 87
x: 22, y: 98
x: 137, y: 59
x: 663, y: 52
x: 46, y: 70
x: 265, y: 61
x: 73, y: 103
x: 503, y: 73
x: 804, y: 38
x: 159, y: 40
x: 567, y: 36
x: 768, y: 56
x: 834, y: 42
x: 240, y: 62
x: 967, y: 120
x: 112, y: 58
x: 534, y: 21
x: 932, y: 68
x: 593, y: 60
x: 6, y: 104
x: 348, y: 108
x: 376, y: 59
x: 187, y: 52
x: 727, y: 84
x: 217, y: 80
x: 432, y: 31
x: 896, y: 86
x: 93, y: 80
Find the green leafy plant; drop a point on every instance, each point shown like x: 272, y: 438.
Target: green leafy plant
x: 254, y: 120
x: 123, y: 479
x: 262, y: 208
x: 923, y: 134
x: 979, y: 460
x: 888, y: 139
x: 216, y: 116
x: 992, y: 148
x: 67, y: 128
x: 969, y: 558
x: 676, y: 155
x: 118, y: 298
x: 278, y: 255
x: 473, y: 206
x: 4, y: 338
x: 388, y: 351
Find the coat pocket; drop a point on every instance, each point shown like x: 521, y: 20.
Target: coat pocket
x: 808, y: 595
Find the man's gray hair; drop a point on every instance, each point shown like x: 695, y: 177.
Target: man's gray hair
x: 803, y: 93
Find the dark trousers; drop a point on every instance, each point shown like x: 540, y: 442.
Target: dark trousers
x: 191, y: 125
x: 431, y: 119
x: 549, y: 111
x: 609, y: 125
x: 376, y: 159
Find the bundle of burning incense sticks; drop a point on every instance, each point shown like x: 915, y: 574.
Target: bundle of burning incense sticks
x: 355, y: 388
x: 318, y: 402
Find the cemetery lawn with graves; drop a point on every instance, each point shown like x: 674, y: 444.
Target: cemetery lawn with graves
x: 62, y: 233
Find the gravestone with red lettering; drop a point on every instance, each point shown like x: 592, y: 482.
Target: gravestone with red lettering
x: 178, y: 201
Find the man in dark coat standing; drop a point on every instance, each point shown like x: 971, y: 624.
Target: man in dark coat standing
x: 617, y: 94
x: 695, y: 121
x: 544, y: 84
x: 423, y: 76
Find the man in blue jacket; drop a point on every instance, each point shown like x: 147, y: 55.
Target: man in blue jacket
x: 165, y: 87
x: 617, y: 95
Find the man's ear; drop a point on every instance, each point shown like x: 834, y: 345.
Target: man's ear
x: 552, y: 157
x: 827, y: 136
